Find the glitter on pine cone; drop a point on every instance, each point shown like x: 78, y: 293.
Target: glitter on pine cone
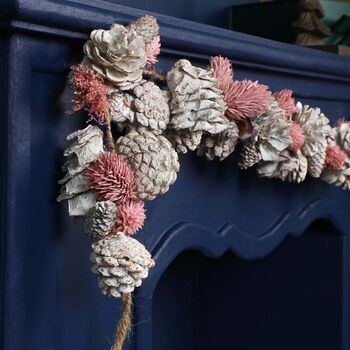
x: 90, y: 92
x: 131, y: 216
x: 297, y: 136
x: 245, y: 99
x: 222, y: 70
x: 286, y: 101
x: 111, y: 178
x: 153, y: 50
x: 335, y: 157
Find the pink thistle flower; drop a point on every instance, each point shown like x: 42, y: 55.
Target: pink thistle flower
x: 297, y: 136
x: 342, y: 121
x: 90, y: 92
x: 111, y: 178
x: 245, y: 99
x: 335, y: 157
x: 153, y: 50
x: 222, y: 70
x: 286, y: 101
x: 131, y: 216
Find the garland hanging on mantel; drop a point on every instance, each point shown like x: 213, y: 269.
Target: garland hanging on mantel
x: 207, y: 110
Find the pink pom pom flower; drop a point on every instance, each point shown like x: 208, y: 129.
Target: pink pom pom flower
x: 297, y: 136
x: 131, y: 216
x: 222, y: 70
x: 286, y: 101
x: 90, y: 92
x: 153, y: 50
x: 111, y: 178
x: 335, y: 157
x: 245, y: 99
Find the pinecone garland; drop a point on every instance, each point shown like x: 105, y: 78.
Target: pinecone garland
x: 196, y: 104
x: 153, y: 159
x: 249, y: 156
x: 219, y: 145
x: 184, y: 140
x: 291, y: 167
x: 121, y: 262
x: 118, y: 54
x: 101, y: 219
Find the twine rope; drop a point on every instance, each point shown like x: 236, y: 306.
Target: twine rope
x: 124, y: 323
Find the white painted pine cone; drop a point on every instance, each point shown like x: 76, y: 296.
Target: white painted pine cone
x: 271, y: 132
x: 184, y: 140
x: 87, y: 145
x: 121, y: 262
x: 196, y: 104
x: 342, y: 136
x: 219, y: 145
x: 291, y: 167
x: 118, y: 54
x: 315, y: 127
x: 153, y: 159
x: 145, y: 26
x: 101, y: 219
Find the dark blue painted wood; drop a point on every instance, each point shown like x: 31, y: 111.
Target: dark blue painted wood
x: 49, y: 297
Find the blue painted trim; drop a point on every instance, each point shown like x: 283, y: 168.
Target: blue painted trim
x: 75, y: 19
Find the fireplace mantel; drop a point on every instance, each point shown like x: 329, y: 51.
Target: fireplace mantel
x: 49, y: 298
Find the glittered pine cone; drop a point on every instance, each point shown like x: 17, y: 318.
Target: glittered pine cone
x: 153, y: 159
x: 118, y: 54
x: 291, y: 167
x: 101, y: 219
x: 121, y: 262
x: 146, y: 27
x: 86, y: 148
x: 184, y: 140
x: 196, y: 104
x: 249, y: 156
x: 219, y: 145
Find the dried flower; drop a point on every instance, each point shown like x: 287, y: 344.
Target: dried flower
x: 222, y: 70
x: 90, y: 92
x: 335, y: 157
x: 245, y: 99
x: 111, y: 178
x: 297, y: 136
x: 131, y: 216
x: 153, y: 50
x: 286, y: 101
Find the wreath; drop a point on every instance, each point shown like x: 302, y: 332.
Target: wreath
x: 138, y: 123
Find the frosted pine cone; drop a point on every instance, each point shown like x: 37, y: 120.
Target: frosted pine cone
x: 145, y: 26
x: 153, y: 160
x: 291, y: 167
x: 118, y: 54
x: 220, y: 145
x: 183, y: 140
x: 86, y: 148
x: 339, y: 178
x: 342, y: 135
x: 315, y: 128
x: 121, y: 262
x: 271, y: 132
x: 101, y: 219
x: 196, y: 104
x: 249, y: 156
